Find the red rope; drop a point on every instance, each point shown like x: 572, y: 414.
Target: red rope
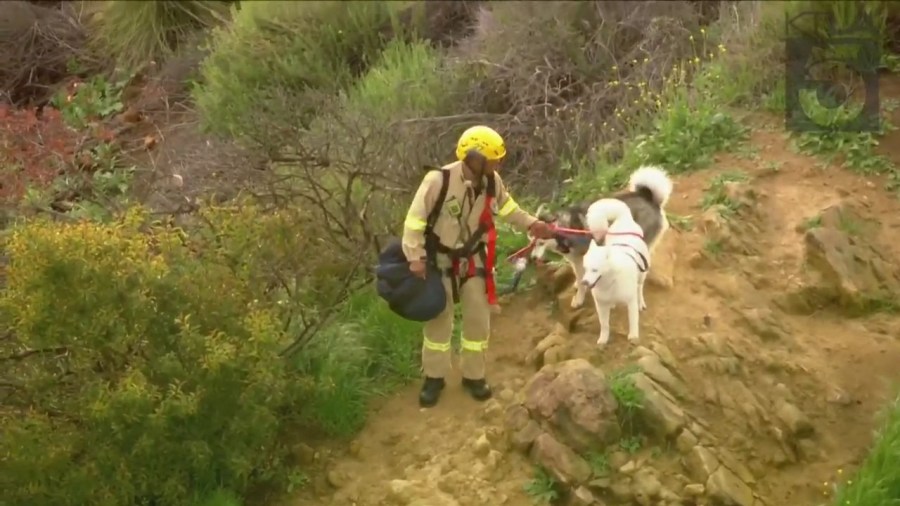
x: 573, y: 231
x: 527, y: 249
x: 522, y: 252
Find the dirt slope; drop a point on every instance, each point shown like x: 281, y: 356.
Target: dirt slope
x: 728, y: 302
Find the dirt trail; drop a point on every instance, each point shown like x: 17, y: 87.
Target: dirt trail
x: 720, y: 305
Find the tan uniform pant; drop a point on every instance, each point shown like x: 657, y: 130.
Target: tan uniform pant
x: 476, y: 328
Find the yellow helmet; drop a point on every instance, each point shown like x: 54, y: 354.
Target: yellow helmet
x: 485, y: 140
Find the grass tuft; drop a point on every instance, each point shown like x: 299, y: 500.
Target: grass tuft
x: 136, y: 33
x: 877, y: 483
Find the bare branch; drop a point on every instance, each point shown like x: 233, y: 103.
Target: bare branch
x: 58, y: 350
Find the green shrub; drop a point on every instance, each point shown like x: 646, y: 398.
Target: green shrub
x: 405, y: 82
x: 367, y: 351
x: 271, y: 68
x: 381, y: 123
x: 135, y: 33
x: 692, y: 127
x: 142, y: 372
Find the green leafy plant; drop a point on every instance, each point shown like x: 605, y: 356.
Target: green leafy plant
x: 629, y: 397
x: 297, y: 480
x: 713, y: 247
x: 631, y: 444
x: 599, y: 462
x: 716, y: 193
x: 542, y: 488
x: 84, y: 102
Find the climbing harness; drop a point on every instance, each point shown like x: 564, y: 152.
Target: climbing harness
x: 483, y: 242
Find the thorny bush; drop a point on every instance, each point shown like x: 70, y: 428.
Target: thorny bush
x: 552, y: 94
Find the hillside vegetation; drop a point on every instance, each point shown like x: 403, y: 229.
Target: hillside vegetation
x: 173, y: 322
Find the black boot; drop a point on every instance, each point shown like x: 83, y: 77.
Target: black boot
x: 431, y: 392
x: 478, y: 389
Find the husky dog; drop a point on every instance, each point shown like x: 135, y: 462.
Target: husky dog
x: 648, y: 192
x: 615, y: 272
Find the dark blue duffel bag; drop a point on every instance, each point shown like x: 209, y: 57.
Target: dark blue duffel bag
x: 408, y: 295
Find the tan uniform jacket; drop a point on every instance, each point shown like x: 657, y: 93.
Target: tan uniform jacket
x: 460, y: 213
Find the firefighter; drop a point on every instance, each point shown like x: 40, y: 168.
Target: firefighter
x: 459, y: 242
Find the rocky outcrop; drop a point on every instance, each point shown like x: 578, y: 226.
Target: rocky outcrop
x: 568, y: 410
x: 847, y: 267
x: 567, y: 413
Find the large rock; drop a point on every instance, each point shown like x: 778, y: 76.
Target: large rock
x: 849, y: 268
x: 573, y: 401
x: 725, y: 488
x: 560, y: 461
x: 660, y: 412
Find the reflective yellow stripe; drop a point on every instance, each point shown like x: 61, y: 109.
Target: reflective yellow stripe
x: 433, y: 346
x: 414, y: 223
x: 473, y: 345
x: 508, y: 207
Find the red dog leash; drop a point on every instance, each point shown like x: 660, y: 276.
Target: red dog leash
x: 523, y: 252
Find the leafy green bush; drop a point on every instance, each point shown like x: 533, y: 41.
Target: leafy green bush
x: 271, y: 68
x: 135, y: 33
x: 691, y: 128
x: 140, y: 372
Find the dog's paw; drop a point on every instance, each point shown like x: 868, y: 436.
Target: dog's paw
x: 633, y: 338
x: 642, y: 306
x: 604, y: 338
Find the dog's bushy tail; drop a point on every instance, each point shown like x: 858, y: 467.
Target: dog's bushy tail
x: 654, y: 181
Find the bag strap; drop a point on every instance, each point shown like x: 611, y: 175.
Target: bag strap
x: 435, y: 212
